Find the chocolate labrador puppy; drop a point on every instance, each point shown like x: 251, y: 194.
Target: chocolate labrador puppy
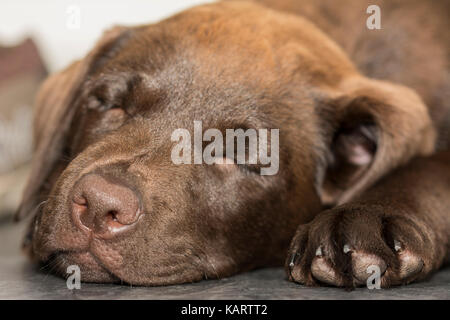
x: 359, y: 138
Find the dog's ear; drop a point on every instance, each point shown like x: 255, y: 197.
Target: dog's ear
x: 375, y: 127
x: 53, y: 113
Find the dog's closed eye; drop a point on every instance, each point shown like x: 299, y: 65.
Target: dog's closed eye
x: 113, y: 118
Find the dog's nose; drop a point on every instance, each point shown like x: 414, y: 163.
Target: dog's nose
x: 104, y: 207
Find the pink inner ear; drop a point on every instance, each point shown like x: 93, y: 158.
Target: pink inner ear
x: 356, y: 146
x: 359, y: 156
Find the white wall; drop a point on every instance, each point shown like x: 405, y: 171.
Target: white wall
x: 62, y: 35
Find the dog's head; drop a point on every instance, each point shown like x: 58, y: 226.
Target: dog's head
x: 106, y: 194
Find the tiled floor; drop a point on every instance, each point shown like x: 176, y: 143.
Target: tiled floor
x: 21, y: 280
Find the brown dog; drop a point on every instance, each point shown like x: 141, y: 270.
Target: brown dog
x: 106, y: 195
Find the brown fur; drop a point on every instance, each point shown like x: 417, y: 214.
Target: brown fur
x: 231, y: 65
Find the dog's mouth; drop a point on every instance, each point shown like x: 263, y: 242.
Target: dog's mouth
x: 91, y: 269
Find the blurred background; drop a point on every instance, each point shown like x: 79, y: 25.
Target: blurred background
x: 41, y: 37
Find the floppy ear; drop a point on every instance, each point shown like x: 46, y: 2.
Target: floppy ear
x: 376, y: 126
x: 53, y: 113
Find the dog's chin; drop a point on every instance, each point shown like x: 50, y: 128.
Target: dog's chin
x: 91, y: 270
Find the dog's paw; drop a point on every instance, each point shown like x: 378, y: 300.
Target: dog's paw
x: 346, y: 245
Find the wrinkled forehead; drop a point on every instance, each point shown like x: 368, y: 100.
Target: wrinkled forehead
x: 240, y: 61
x: 232, y: 42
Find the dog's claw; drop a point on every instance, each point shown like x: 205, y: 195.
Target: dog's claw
x: 397, y: 246
x: 319, y: 251
x: 347, y: 248
x: 291, y: 262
